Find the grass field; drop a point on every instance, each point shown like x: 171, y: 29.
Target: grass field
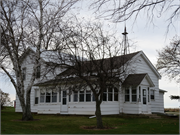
x: 58, y: 124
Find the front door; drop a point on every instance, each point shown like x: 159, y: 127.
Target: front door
x: 144, y: 106
x: 64, y: 107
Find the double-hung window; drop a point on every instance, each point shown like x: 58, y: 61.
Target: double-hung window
x: 152, y: 94
x: 42, y: 96
x: 54, y: 96
x: 134, y: 95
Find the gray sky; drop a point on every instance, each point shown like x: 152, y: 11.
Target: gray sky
x: 147, y: 38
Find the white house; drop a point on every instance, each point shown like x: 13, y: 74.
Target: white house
x: 138, y: 94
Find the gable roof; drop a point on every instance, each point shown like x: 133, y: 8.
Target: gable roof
x: 51, y: 56
x: 135, y: 79
x: 115, y: 62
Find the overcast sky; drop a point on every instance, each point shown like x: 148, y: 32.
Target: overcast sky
x: 147, y: 38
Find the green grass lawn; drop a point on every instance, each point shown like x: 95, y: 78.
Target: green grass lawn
x: 58, y: 124
x: 176, y: 113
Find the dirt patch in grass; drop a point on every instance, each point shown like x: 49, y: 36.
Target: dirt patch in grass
x: 95, y: 128
x: 25, y: 121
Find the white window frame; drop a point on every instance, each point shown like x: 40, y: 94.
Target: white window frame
x: 151, y: 90
x: 133, y: 94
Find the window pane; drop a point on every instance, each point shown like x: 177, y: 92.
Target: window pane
x: 64, y: 93
x: 81, y: 96
x: 109, y: 89
x: 115, y: 90
x: 109, y: 96
x: 75, y: 96
x: 115, y: 96
x: 64, y: 101
x: 36, y: 100
x: 59, y: 96
x: 133, y: 91
x: 152, y: 94
x: 104, y: 96
x: 42, y: 96
x: 134, y: 98
x: 144, y: 92
x: 144, y: 96
x: 48, y: 97
x: 126, y: 97
x: 54, y: 97
x: 144, y: 100
x: 88, y: 96
x: 126, y: 91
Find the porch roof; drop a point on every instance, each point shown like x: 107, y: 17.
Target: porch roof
x: 135, y: 79
x: 160, y: 90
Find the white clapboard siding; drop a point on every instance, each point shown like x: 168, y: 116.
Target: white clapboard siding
x: 130, y: 108
x: 28, y: 63
x: 143, y: 67
x: 161, y: 102
x: 88, y: 108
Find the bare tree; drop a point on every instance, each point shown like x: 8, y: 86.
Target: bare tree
x: 93, y: 62
x: 121, y: 10
x: 169, y: 60
x: 28, y: 23
x: 174, y: 97
x: 4, y: 98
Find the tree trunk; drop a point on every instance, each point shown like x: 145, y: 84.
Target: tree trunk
x: 27, y: 113
x: 98, y: 115
x: 26, y: 109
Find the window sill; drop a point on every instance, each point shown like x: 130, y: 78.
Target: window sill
x: 133, y: 102
x: 57, y: 103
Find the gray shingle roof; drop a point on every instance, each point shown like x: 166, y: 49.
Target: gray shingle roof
x: 92, y: 66
x: 134, y: 80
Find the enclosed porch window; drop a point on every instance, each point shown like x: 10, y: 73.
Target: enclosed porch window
x: 130, y: 94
